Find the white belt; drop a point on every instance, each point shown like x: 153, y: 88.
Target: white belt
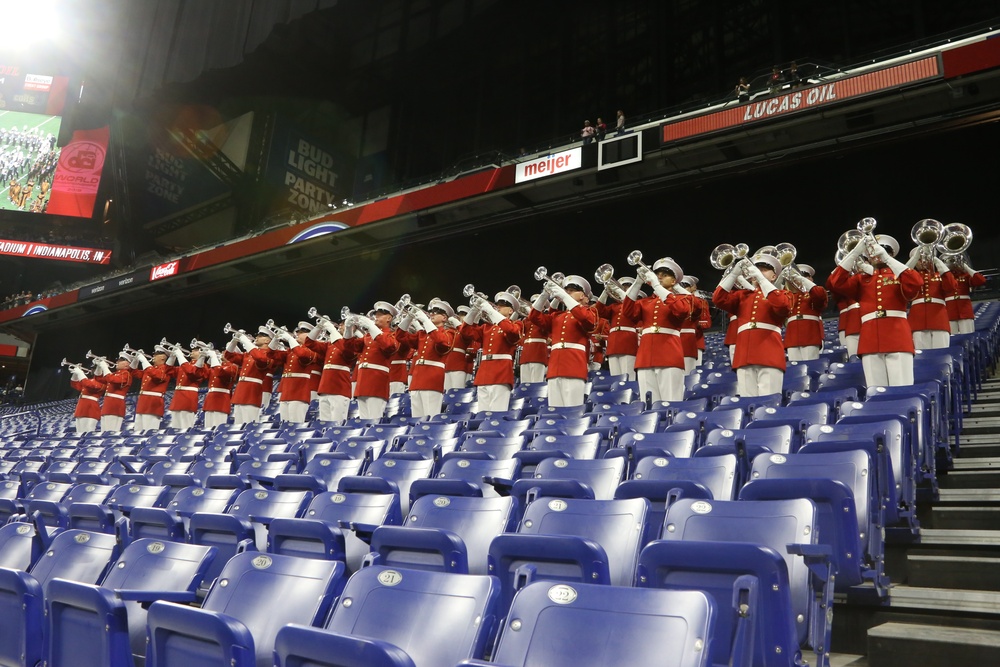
x: 428, y: 362
x: 533, y: 340
x: 187, y: 388
x: 925, y: 299
x: 850, y: 307
x: 958, y: 296
x: 497, y: 357
x: 296, y: 375
x: 89, y: 398
x: 882, y: 313
x: 689, y: 331
x: 733, y: 317
x: 219, y: 390
x: 661, y: 330
x: 456, y: 350
x: 336, y: 367
x: 121, y: 396
x: 815, y: 318
x: 569, y: 346
x: 614, y: 329
x: 254, y: 380
x: 398, y: 361
x: 758, y: 325
x: 374, y: 367
x: 151, y: 393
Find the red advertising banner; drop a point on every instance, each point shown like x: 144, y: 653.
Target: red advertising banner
x: 78, y: 174
x: 164, y: 270
x: 63, y: 253
x: 802, y: 99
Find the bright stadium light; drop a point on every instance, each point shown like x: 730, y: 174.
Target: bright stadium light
x: 46, y: 23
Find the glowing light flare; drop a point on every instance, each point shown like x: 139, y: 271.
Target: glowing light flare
x: 47, y: 19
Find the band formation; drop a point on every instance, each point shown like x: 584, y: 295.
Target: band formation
x: 887, y: 310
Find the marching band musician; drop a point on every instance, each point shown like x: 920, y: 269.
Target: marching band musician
x: 431, y: 344
x: 188, y: 376
x: 569, y: 330
x: 372, y: 370
x: 255, y: 365
x: 732, y: 323
x: 693, y: 334
x: 455, y: 364
x: 759, y: 354
x: 399, y: 364
x: 154, y: 376
x: 88, y: 406
x: 297, y: 362
x: 222, y: 375
x: 339, y: 353
x: 959, y: 304
x: 623, y: 337
x: 848, y: 323
x: 928, y: 316
x: 115, y: 387
x: 534, y: 358
x: 885, y: 343
x: 659, y: 362
x: 804, y: 326
x: 498, y: 337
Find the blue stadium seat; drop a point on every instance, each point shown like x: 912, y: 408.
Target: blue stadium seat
x: 466, y: 476
x: 778, y: 438
x: 402, y: 473
x: 716, y: 473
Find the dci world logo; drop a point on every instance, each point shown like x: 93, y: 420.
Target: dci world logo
x: 82, y: 156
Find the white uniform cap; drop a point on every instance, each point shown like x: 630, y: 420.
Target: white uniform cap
x: 508, y: 297
x: 263, y: 331
x: 891, y: 244
x: 440, y: 304
x: 304, y: 326
x: 769, y: 260
x: 667, y: 263
x: 579, y: 281
x: 463, y: 310
x: 387, y: 307
x: 806, y: 270
x: 625, y: 281
x: 689, y: 281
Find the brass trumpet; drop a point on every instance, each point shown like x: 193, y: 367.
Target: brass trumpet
x: 605, y: 275
x: 541, y: 273
x: 71, y: 365
x: 523, y: 307
x: 199, y: 345
x: 314, y: 314
x: 229, y: 329
x: 94, y: 358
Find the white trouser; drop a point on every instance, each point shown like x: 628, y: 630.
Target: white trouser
x: 182, y: 420
x: 455, y: 380
x: 701, y: 353
x: 665, y: 384
x: 690, y: 363
x: 425, y: 402
x: 333, y: 408
x: 245, y: 414
x: 963, y: 326
x: 803, y: 353
x: 213, y: 418
x: 493, y: 397
x: 888, y: 369
x: 397, y: 388
x: 566, y: 392
x: 759, y: 380
x: 86, y: 424
x: 265, y: 400
x: 622, y: 364
x: 111, y: 423
x: 732, y: 353
x: 293, y: 412
x: 931, y: 339
x: 532, y: 372
x: 145, y: 422
x: 371, y: 407
x: 850, y: 342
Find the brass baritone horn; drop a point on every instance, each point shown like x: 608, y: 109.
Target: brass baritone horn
x: 955, y: 239
x: 725, y: 256
x: 785, y: 253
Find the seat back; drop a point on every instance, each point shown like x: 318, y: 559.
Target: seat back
x: 402, y: 472
x: 601, y: 475
x: 716, y: 473
x: 474, y: 470
x: 345, y: 507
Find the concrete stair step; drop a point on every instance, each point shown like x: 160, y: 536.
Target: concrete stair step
x: 962, y: 572
x: 906, y: 644
x: 977, y: 463
x: 986, y: 539
x: 980, y: 421
x: 971, y: 479
x: 981, y: 603
x: 987, y: 447
x: 964, y: 518
x: 980, y: 496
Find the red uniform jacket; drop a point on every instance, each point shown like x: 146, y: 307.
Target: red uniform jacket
x: 599, y: 340
x: 534, y: 344
x: 960, y: 303
x: 570, y: 334
x: 623, y: 337
x: 187, y: 378
x: 660, y: 323
x: 804, y: 325
x: 154, y: 381
x: 457, y: 361
x: 758, y: 325
x: 297, y: 365
x: 499, y: 343
x: 338, y: 362
x: 221, y: 379
x: 372, y: 369
x: 850, y: 314
x: 731, y: 327
x: 431, y: 350
x: 693, y: 333
x: 398, y: 362
x: 883, y: 299
x: 89, y: 404
x: 115, y: 385
x: 929, y: 310
x: 255, y: 367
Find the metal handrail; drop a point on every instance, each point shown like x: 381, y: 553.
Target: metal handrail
x: 31, y: 413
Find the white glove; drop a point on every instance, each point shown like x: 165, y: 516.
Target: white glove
x: 660, y: 291
x: 969, y: 270
x: 911, y: 263
x: 634, y: 289
x: 200, y: 361
x: 897, y: 266
x: 603, y: 298
x: 76, y: 373
x: 406, y: 321
x: 332, y: 331
x: 368, y: 325
x: 615, y: 292
x: 753, y: 272
x: 425, y: 322
x: 178, y: 356
x: 289, y: 339
x: 213, y: 358
x: 276, y: 341
x: 865, y: 267
x: 246, y: 342
x: 877, y: 250
x: 677, y: 289
x: 805, y: 283
x: 647, y: 276
x: 454, y: 322
x: 542, y: 302
x: 766, y: 286
x: 233, y: 345
x: 320, y: 327
x: 492, y: 314
x: 558, y: 292
x: 101, y: 368
x: 564, y: 296
x: 141, y: 361
x: 847, y: 263
x: 730, y: 278
x: 743, y: 282
x: 941, y: 267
